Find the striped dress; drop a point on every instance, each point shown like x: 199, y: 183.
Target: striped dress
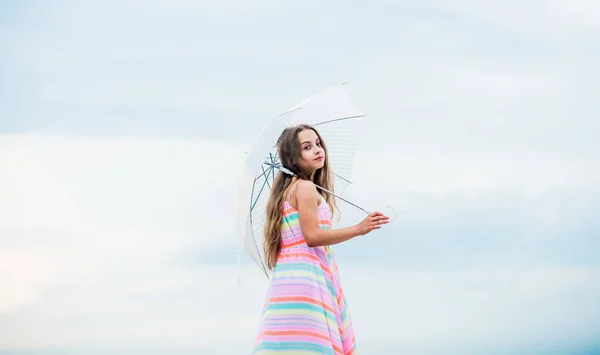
x: 305, y: 311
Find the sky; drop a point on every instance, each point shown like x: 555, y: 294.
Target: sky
x: 123, y: 126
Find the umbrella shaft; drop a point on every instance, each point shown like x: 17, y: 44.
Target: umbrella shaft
x: 343, y: 199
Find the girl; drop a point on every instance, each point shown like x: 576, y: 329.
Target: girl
x: 305, y: 311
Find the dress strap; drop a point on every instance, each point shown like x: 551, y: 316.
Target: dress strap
x: 292, y: 191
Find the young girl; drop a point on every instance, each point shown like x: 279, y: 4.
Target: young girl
x: 305, y: 311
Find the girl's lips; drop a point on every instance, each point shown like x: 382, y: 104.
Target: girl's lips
x: 319, y: 158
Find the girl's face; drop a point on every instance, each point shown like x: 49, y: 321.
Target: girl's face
x: 312, y: 154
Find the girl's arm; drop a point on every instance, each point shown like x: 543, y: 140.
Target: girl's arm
x: 308, y: 198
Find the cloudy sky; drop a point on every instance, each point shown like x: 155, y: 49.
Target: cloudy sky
x: 123, y: 126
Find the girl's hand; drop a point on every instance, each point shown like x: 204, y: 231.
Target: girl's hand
x: 371, y: 222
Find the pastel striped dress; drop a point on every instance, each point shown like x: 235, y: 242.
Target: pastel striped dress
x: 305, y: 311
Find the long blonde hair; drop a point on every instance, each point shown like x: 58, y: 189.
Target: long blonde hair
x: 289, y: 147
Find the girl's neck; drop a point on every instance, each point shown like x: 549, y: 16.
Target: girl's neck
x: 311, y: 178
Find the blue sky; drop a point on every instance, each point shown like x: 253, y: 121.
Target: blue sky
x: 123, y: 126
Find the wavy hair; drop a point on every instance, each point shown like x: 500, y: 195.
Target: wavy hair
x: 289, y: 149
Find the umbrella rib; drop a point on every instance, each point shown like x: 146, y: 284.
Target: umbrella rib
x: 252, y: 227
x: 267, y: 176
x: 259, y: 176
x: 259, y: 192
x: 264, y: 172
x: 256, y: 247
x: 337, y: 119
x: 252, y: 223
x: 343, y: 178
x: 287, y: 112
x: 273, y: 161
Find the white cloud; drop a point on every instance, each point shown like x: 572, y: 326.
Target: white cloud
x: 145, y: 305
x: 31, y: 197
x: 85, y: 207
x: 200, y: 308
x: 546, y: 19
x: 459, y: 307
x: 505, y: 85
x: 441, y: 82
x: 139, y: 203
x: 441, y: 173
x: 585, y: 13
x: 22, y: 275
x: 120, y: 93
x: 76, y: 207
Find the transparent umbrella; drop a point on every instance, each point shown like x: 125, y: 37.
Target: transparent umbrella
x: 333, y: 113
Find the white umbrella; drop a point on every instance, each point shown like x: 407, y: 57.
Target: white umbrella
x: 333, y: 113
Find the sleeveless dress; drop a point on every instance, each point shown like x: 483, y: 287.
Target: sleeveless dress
x: 305, y: 310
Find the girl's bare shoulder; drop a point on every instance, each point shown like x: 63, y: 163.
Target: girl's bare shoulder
x: 306, y: 190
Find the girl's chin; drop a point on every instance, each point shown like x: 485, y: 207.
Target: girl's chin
x: 316, y: 166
